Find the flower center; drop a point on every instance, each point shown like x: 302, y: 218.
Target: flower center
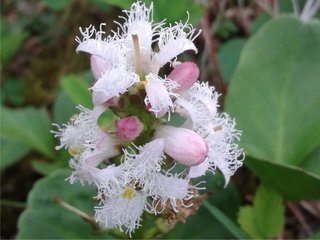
x: 74, y: 151
x: 128, y: 193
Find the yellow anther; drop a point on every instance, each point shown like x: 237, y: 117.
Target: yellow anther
x: 128, y: 193
x: 74, y: 118
x: 74, y: 151
x: 217, y: 128
x: 143, y: 84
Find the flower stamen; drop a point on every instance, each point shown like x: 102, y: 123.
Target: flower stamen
x: 128, y: 193
x: 137, y: 54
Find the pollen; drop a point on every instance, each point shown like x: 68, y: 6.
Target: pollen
x: 128, y: 193
x: 217, y: 128
x: 74, y: 151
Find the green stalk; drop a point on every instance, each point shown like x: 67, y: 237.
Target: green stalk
x: 222, y: 218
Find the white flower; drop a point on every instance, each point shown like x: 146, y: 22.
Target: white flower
x: 123, y: 211
x: 120, y: 50
x: 199, y: 106
x: 128, y: 161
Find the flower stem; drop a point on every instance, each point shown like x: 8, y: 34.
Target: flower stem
x: 74, y: 210
x: 13, y: 204
x: 137, y: 55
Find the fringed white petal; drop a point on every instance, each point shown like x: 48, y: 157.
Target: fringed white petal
x: 139, y: 22
x: 121, y: 212
x: 166, y: 188
x: 173, y: 41
x: 85, y: 170
x: 199, y: 170
x: 140, y: 167
x: 205, y: 94
x: 159, y: 93
x: 95, y: 42
x: 194, y: 112
x: 224, y: 154
x: 112, y: 83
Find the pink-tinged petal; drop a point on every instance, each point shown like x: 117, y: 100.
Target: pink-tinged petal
x: 98, y: 66
x: 184, y: 145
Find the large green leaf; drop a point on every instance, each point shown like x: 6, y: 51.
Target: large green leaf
x: 265, y: 219
x: 63, y: 108
x: 274, y: 93
x: 43, y: 219
x: 11, y: 152
x: 293, y: 182
x: 77, y: 90
x: 29, y: 127
x: 228, y: 57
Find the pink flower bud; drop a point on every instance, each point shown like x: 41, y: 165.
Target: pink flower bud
x: 185, y: 74
x: 128, y: 128
x: 184, y: 145
x: 98, y: 66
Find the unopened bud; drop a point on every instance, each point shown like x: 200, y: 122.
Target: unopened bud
x: 185, y: 74
x: 184, y: 145
x: 98, y: 66
x: 128, y: 128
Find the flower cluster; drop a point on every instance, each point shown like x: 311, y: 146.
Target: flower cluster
x: 133, y: 161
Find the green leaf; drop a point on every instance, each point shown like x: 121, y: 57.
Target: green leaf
x: 46, y: 168
x: 102, y: 5
x: 315, y: 236
x: 228, y: 57
x: 29, y: 127
x: 172, y: 11
x: 266, y: 218
x: 77, y: 90
x: 274, y: 93
x: 124, y: 4
x: 11, y: 42
x: 11, y: 152
x: 13, y: 91
x: 230, y: 225
x: 293, y: 182
x: 56, y: 5
x: 225, y: 28
x: 259, y: 22
x: 63, y: 108
x: 44, y: 219
x: 312, y: 162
